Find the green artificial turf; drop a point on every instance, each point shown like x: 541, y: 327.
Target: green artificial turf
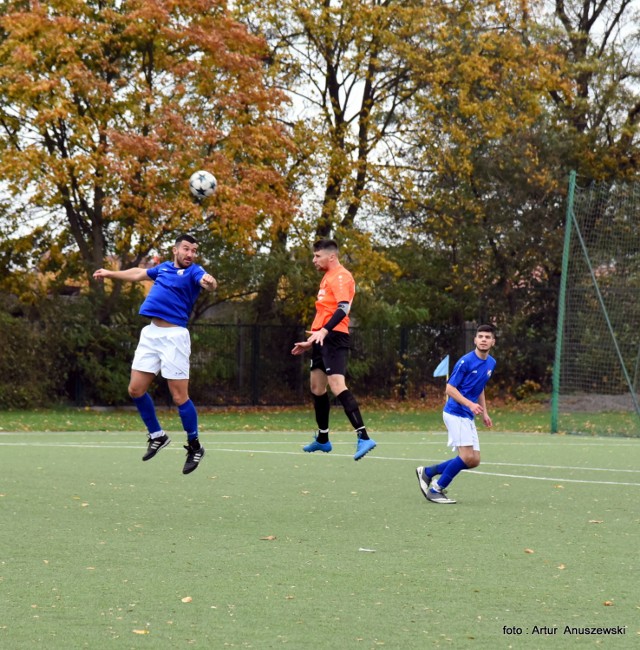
x: 267, y: 547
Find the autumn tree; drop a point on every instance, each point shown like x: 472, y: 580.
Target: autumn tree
x: 475, y: 154
x: 342, y: 65
x: 107, y: 107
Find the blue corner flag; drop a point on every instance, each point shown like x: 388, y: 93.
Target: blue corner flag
x: 443, y: 368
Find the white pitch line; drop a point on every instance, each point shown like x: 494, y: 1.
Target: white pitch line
x: 71, y: 445
x: 557, y: 480
x: 376, y: 457
x: 587, y: 469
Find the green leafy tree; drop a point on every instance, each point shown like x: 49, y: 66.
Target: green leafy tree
x: 598, y: 42
x: 477, y: 221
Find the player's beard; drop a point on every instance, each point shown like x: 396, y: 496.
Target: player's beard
x: 181, y: 262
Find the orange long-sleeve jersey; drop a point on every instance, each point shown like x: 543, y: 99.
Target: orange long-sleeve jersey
x: 337, y: 285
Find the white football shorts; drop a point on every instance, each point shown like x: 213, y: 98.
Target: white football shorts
x: 462, y: 432
x: 165, y: 350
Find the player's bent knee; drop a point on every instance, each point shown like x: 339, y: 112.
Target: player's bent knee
x: 470, y: 460
x: 337, y: 384
x: 179, y: 397
x: 135, y: 392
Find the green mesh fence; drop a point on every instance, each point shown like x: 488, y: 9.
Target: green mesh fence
x: 597, y: 361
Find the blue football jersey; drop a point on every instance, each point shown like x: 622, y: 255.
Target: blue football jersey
x: 174, y: 292
x: 470, y: 375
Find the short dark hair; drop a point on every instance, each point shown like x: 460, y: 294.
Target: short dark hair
x: 187, y: 238
x: 326, y: 245
x: 487, y: 328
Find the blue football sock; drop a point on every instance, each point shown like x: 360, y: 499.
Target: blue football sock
x: 436, y: 470
x: 147, y: 411
x: 454, y: 467
x: 189, y: 417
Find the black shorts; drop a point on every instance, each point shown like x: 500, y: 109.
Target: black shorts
x: 331, y: 357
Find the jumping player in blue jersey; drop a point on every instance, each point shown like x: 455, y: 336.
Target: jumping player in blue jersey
x: 465, y: 393
x: 165, y: 344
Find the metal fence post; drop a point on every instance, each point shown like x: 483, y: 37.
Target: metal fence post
x: 255, y: 365
x: 404, y: 358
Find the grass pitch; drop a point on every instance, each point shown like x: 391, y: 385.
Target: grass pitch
x: 266, y: 547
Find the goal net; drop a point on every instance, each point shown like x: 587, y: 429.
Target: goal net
x: 597, y: 361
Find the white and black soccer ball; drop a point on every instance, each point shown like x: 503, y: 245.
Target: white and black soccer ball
x: 202, y: 184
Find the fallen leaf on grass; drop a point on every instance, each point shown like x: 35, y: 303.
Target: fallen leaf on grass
x: 529, y: 550
x: 596, y: 521
x: 561, y: 567
x: 268, y: 538
x: 141, y: 631
x: 608, y: 603
x: 187, y: 599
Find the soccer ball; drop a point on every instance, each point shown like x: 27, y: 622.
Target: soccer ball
x: 202, y: 184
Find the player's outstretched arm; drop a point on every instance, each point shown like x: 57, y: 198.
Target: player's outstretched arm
x: 135, y: 274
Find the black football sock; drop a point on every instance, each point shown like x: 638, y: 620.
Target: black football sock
x: 322, y: 406
x: 352, y: 411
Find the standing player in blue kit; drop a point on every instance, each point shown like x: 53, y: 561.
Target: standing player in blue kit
x: 165, y: 344
x: 465, y: 392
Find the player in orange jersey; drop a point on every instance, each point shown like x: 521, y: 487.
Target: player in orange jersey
x: 329, y: 345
